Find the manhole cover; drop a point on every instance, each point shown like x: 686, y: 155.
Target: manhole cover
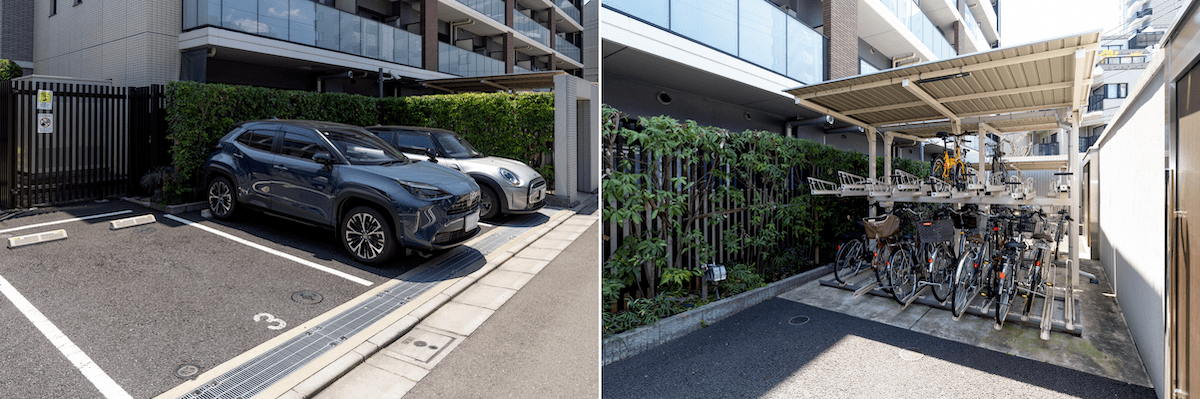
x: 144, y: 230
x: 798, y: 320
x: 419, y: 344
x: 911, y: 354
x: 187, y: 371
x: 307, y: 297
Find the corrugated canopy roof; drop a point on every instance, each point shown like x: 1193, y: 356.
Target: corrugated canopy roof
x: 515, y: 82
x: 976, y: 88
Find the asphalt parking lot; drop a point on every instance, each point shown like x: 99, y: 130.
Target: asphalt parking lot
x: 107, y: 311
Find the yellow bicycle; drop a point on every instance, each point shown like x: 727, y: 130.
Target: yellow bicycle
x: 951, y: 166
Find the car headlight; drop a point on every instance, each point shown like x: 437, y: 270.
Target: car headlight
x: 424, y: 191
x: 510, y: 176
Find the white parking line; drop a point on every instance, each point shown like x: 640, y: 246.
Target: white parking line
x: 103, y: 215
x: 269, y: 250
x: 80, y: 360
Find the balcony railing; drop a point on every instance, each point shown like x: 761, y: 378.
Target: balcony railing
x: 456, y: 61
x: 493, y: 9
x: 1044, y: 149
x: 1086, y: 142
x: 973, y: 28
x: 912, y: 17
x: 531, y: 28
x: 308, y: 23
x: 566, y: 48
x: 569, y: 8
x: 1095, y: 103
x: 756, y: 31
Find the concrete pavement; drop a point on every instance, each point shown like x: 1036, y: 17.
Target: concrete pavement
x: 523, y: 327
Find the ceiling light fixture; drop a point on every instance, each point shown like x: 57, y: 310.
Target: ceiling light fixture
x: 947, y: 77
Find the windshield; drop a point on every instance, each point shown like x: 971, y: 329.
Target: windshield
x: 455, y: 146
x: 363, y: 148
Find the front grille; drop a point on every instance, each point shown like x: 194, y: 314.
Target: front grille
x: 536, y: 192
x: 466, y: 203
x: 452, y: 236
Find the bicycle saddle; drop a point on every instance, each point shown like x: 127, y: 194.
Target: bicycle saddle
x: 942, y: 135
x: 1043, y: 236
x: 1015, y: 245
x: 975, y: 238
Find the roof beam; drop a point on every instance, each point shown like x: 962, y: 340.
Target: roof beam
x: 1013, y: 110
x: 1081, y: 69
x: 950, y: 71
x: 998, y: 93
x: 433, y: 86
x: 884, y: 108
x: 813, y: 106
x: 494, y: 84
x: 928, y: 99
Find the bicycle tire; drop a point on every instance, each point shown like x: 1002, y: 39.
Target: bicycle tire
x: 1004, y: 294
x: 938, y: 169
x: 964, y: 277
x: 940, y: 272
x: 901, y: 275
x: 879, y: 264
x: 849, y: 261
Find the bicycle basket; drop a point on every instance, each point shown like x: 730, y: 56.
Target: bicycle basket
x: 935, y: 230
x: 883, y: 228
x: 964, y: 221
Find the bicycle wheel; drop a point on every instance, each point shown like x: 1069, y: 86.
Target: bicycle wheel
x: 964, y: 280
x: 938, y: 169
x: 849, y: 261
x: 902, y: 275
x: 941, y: 272
x: 1004, y: 291
x: 879, y: 263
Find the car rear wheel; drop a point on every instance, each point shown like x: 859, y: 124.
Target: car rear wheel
x: 367, y: 236
x: 489, y: 203
x: 222, y: 199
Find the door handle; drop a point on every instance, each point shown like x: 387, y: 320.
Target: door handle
x: 281, y: 167
x: 238, y: 155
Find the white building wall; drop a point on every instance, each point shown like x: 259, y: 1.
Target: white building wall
x: 1131, y: 221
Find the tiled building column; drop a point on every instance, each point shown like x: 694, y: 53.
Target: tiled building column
x: 510, y: 56
x: 429, y: 34
x: 841, y: 27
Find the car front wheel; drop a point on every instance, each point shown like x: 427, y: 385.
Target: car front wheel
x: 222, y: 200
x: 489, y: 203
x: 367, y: 236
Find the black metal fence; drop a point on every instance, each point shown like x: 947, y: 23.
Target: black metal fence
x: 98, y: 142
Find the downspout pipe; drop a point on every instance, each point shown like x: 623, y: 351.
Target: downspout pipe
x: 820, y: 120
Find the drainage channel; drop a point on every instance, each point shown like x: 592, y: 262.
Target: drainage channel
x: 254, y: 376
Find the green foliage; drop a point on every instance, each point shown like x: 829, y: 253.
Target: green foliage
x: 518, y: 126
x: 9, y: 70
x: 742, y: 278
x: 640, y: 312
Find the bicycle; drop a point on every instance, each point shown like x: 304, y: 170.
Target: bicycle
x: 951, y: 166
x: 976, y: 251
x: 1011, y: 262
x: 931, y: 250
x: 851, y: 257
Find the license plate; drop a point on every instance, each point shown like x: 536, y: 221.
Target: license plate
x: 471, y: 221
x: 537, y: 195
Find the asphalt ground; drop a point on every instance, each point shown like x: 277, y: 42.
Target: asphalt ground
x: 786, y: 349
x: 142, y: 301
x: 542, y: 343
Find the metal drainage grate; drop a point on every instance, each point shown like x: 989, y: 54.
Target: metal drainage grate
x: 911, y: 354
x: 798, y: 320
x: 252, y: 377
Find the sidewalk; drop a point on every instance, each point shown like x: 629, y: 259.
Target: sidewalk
x: 396, y: 368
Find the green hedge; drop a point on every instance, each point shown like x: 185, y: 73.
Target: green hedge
x: 518, y: 126
x: 9, y: 70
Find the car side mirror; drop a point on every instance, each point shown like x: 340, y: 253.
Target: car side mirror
x: 432, y: 156
x: 323, y: 158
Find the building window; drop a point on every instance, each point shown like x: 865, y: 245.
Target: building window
x: 865, y: 67
x: 1116, y: 90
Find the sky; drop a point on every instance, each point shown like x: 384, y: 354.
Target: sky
x: 1025, y: 21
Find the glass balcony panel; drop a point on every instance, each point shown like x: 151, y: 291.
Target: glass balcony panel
x: 531, y: 28
x: 762, y: 37
x: 302, y: 19
x: 273, y: 18
x: 806, y: 53
x: 570, y: 9
x: 240, y: 15
x: 493, y: 9
x: 456, y: 61
x: 351, y: 34
x: 518, y: 69
x: 656, y: 12
x: 370, y: 38
x: 191, y: 9
x: 566, y: 48
x: 329, y: 31
x: 387, y: 44
x: 712, y: 22
x: 407, y: 48
x: 211, y: 9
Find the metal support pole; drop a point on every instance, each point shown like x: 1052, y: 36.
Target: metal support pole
x: 888, y: 139
x: 1073, y: 166
x: 872, y: 173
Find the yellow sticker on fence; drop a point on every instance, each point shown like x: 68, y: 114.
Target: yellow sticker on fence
x: 44, y: 98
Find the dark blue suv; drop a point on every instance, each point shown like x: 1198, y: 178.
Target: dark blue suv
x: 342, y: 177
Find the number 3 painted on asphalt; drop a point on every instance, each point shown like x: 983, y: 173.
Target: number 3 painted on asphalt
x: 270, y: 319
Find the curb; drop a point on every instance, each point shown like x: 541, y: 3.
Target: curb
x: 326, y: 376
x: 641, y: 339
x: 169, y: 209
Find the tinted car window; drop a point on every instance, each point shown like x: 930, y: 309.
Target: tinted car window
x: 300, y: 146
x: 363, y: 148
x: 409, y: 141
x: 455, y: 146
x: 257, y: 139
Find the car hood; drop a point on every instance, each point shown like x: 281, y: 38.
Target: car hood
x: 424, y: 172
x: 488, y: 165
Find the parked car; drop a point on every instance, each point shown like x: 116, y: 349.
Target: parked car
x: 341, y: 177
x: 506, y: 185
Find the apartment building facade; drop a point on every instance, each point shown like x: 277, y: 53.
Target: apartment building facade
x: 726, y: 62
x: 16, y: 32
x: 326, y: 45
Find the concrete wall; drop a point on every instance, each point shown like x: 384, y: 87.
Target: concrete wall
x: 1132, y: 227
x: 16, y: 31
x: 133, y: 43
